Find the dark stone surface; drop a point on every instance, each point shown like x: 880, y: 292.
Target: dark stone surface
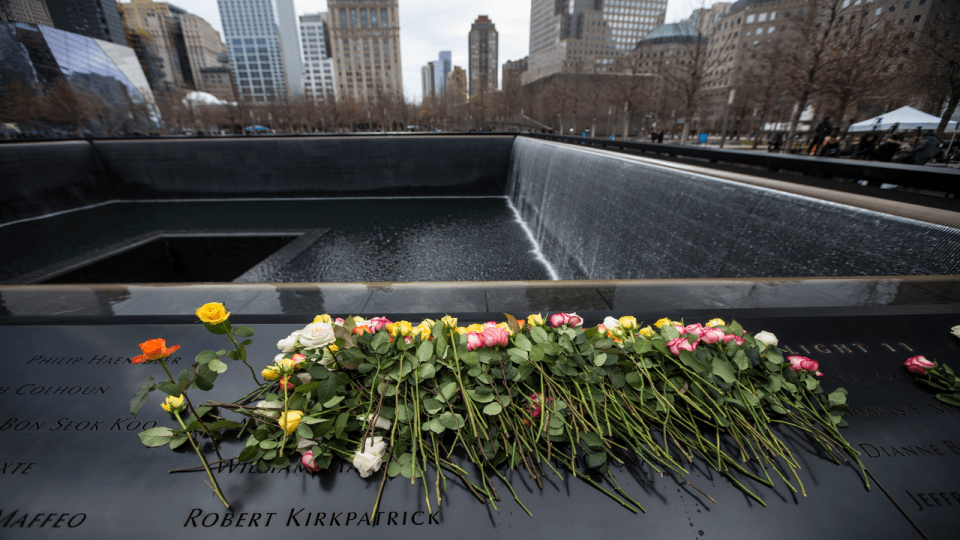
x: 909, y: 440
x: 40, y: 178
x: 597, y: 216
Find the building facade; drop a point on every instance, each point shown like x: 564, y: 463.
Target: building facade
x: 318, y: 69
x: 365, y: 44
x: 160, y: 22
x: 484, y: 63
x: 443, y: 67
x: 204, y: 49
x: 25, y: 11
x: 584, y: 36
x: 98, y: 19
x: 456, y: 89
x: 513, y: 71
x: 290, y: 47
x: 253, y: 46
x: 217, y: 81
x: 428, y: 80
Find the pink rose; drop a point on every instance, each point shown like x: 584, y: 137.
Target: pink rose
x: 377, y: 323
x: 602, y: 329
x: 474, y: 341
x: 308, y: 462
x: 489, y: 324
x: 493, y: 337
x: 695, y: 329
x: 573, y: 319
x: 409, y: 340
x: 918, y: 365
x: 338, y: 321
x: 802, y: 363
x: 736, y: 339
x: 297, y: 360
x: 712, y: 335
x: 558, y: 319
x: 681, y: 344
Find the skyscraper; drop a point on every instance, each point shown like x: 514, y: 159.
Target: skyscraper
x: 159, y: 21
x: 513, y: 71
x: 585, y: 36
x: 457, y: 84
x: 290, y: 47
x: 365, y: 40
x: 25, y: 11
x: 428, y: 79
x: 483, y: 56
x: 319, y: 82
x: 203, y: 46
x: 98, y: 19
x: 253, y: 44
x: 442, y: 68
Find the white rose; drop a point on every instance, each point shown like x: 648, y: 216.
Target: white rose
x: 379, y: 423
x: 316, y: 335
x: 369, y: 462
x: 610, y: 323
x: 766, y: 338
x: 270, y: 405
x: 304, y: 378
x: 956, y: 330
x: 278, y: 358
x: 289, y: 343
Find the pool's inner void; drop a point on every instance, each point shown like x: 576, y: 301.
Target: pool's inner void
x: 432, y: 239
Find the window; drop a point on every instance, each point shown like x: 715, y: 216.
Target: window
x: 353, y: 18
x: 770, y: 30
x: 750, y: 18
x: 343, y: 18
x: 916, y: 18
x: 383, y: 18
x: 762, y: 17
x: 363, y: 18
x: 373, y: 18
x: 901, y: 22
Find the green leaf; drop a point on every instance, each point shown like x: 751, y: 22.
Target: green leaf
x: 592, y: 440
x: 427, y: 371
x: 186, y: 378
x: 596, y: 460
x: 381, y: 342
x: 723, y: 369
x: 157, y: 436
x: 304, y: 431
x: 393, y: 469
x: 204, y: 384
x: 217, y: 366
x: 141, y: 396
x: 425, y: 352
x: 243, y: 331
x: 281, y: 462
x: 206, y: 356
x: 217, y: 329
x: 449, y: 390
x: 248, y: 454
x: 340, y: 424
x: 523, y: 343
x: 432, y: 406
x: 327, y: 389
x: 177, y: 442
x: 599, y: 359
x: 949, y: 399
x: 307, y: 387
x: 492, y: 409
x: 451, y: 421
x: 536, y: 353
x: 539, y: 335
x: 269, y: 444
x: 319, y: 372
x: 741, y: 360
x: 169, y: 388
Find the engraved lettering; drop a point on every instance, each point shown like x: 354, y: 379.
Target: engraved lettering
x: 216, y: 518
x: 254, y: 518
x: 319, y: 519
x: 889, y: 347
x: 919, y: 506
x: 413, y: 518
x: 293, y: 517
x: 392, y: 518
x: 350, y: 517
x: 924, y: 499
x: 335, y: 518
x: 433, y: 518
x: 843, y: 349
x: 860, y: 346
x: 952, y: 446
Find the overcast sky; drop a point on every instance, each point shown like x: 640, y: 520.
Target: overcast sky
x: 430, y: 26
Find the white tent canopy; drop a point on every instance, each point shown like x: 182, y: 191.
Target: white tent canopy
x: 907, y: 118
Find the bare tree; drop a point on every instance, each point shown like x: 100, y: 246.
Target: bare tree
x: 687, y: 72
x: 937, y: 60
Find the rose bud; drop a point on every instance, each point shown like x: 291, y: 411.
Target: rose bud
x: 681, y: 344
x: 767, y: 339
x: 557, y: 320
x: 474, y: 341
x: 919, y: 365
x: 377, y: 323
x: 573, y: 319
x: 309, y: 463
x: 712, y: 335
x: 695, y: 329
x: 802, y: 363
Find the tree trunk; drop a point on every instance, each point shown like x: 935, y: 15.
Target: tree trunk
x: 593, y: 126
x: 794, y: 118
x: 626, y: 120
x: 948, y: 113
x: 685, y: 132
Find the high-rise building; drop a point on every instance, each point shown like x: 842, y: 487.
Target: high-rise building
x: 365, y: 40
x: 442, y: 68
x: 585, y: 36
x: 513, y: 71
x: 318, y: 79
x: 204, y: 49
x: 98, y: 19
x: 428, y: 80
x: 483, y: 56
x: 457, y: 84
x: 218, y: 82
x: 290, y: 47
x: 159, y: 20
x: 25, y: 11
x: 253, y: 44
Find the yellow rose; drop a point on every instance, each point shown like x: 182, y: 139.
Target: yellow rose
x: 423, y: 329
x: 271, y: 373
x: 461, y: 330
x: 535, y: 320
x: 323, y: 318
x: 290, y: 420
x: 665, y: 321
x: 213, y: 313
x: 477, y: 328
x: 333, y: 348
x: 451, y: 322
x: 646, y: 331
x: 173, y: 404
x: 628, y: 322
x: 716, y: 322
x: 286, y: 366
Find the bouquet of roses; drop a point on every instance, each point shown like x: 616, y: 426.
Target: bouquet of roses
x: 533, y: 394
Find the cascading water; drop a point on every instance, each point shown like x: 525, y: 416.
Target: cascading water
x: 597, y: 215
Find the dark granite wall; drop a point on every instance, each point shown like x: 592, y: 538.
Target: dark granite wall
x: 40, y: 178
x: 597, y: 216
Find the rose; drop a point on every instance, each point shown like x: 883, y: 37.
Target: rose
x: 695, y: 329
x: 646, y: 331
x: 289, y: 343
x: 628, y: 322
x: 338, y: 321
x: 316, y: 335
x: 213, y: 313
x: 403, y: 328
x: 802, y: 363
x: 767, y: 339
x: 713, y: 323
x: 450, y: 322
x: 493, y: 337
x: 270, y: 405
x: 271, y: 373
x: 681, y: 344
x: 379, y: 423
x: 573, y: 319
x: 369, y: 461
x: 535, y: 319
x: 712, y: 335
x: 173, y: 404
x: 298, y: 360
x: 154, y: 349
x: 667, y: 322
x: 610, y: 323
x: 285, y: 383
x: 956, y: 330
x: 474, y: 341
x: 323, y: 318
x: 309, y: 462
x: 377, y: 323
x: 736, y: 339
x: 285, y: 365
x: 290, y: 420
x: 569, y: 319
x: 919, y: 365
